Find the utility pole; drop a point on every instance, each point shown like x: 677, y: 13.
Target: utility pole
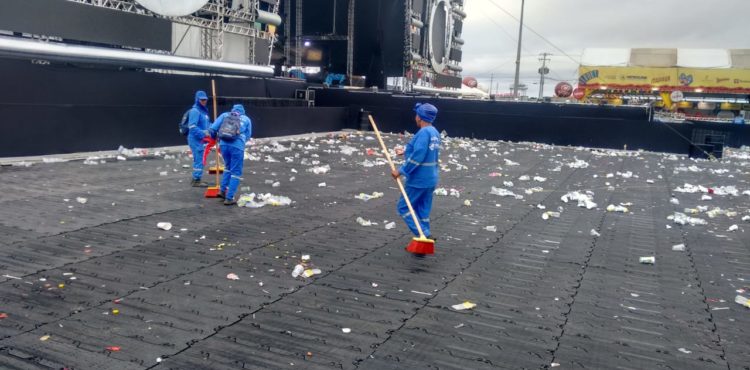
x: 543, y: 71
x: 492, y: 77
x: 518, y: 55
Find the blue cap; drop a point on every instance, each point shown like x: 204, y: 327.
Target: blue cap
x: 200, y: 95
x: 426, y: 111
x: 239, y: 109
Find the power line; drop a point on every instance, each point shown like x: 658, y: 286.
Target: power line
x: 533, y: 31
x: 500, y: 27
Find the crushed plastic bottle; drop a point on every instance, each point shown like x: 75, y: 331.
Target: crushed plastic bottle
x: 504, y: 193
x: 348, y: 150
x: 440, y: 192
x: 577, y: 163
x: 491, y: 228
x: 274, y: 200
x: 364, y: 222
x: 135, y: 152
x: 319, y: 170
x: 533, y: 190
x: 585, y: 200
x: 614, y: 208
x: 366, y: 197
x: 549, y: 214
x: 678, y: 248
x: 683, y: 219
x: 256, y: 201
x: 464, y: 306
x: 53, y: 160
x: 248, y: 200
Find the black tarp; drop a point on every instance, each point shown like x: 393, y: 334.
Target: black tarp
x: 62, y: 109
x: 80, y: 22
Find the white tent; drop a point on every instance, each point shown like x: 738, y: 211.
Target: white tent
x: 703, y: 58
x: 606, y: 57
x: 666, y: 58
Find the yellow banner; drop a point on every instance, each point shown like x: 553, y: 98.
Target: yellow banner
x: 727, y: 78
x: 627, y: 76
x: 665, y: 77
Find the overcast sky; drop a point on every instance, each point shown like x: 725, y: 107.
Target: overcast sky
x: 573, y: 25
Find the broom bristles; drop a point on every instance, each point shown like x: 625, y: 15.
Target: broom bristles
x: 421, y: 246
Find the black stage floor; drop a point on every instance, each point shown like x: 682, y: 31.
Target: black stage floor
x: 548, y: 293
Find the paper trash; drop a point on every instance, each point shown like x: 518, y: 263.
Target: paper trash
x: 464, y: 306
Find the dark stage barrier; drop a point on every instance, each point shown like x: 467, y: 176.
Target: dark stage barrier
x: 61, y: 109
x: 560, y: 124
x: 80, y: 22
x: 49, y: 109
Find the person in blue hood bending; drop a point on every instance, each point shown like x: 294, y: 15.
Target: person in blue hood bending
x: 198, y: 122
x: 420, y: 168
x: 233, y: 129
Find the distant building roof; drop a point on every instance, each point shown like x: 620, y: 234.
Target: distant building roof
x: 688, y: 58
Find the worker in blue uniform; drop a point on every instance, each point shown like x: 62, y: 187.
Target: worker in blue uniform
x: 198, y: 123
x: 233, y: 129
x: 420, y: 168
x: 334, y: 77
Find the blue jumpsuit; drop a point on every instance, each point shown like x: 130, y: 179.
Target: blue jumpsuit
x: 198, y: 122
x: 421, y: 171
x: 233, y: 151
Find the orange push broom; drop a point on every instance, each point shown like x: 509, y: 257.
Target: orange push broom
x: 421, y: 244
x: 213, y: 191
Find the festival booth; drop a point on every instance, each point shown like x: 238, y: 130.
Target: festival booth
x: 711, y: 82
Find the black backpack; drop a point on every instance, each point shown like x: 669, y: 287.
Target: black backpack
x: 184, y: 123
x: 230, y: 127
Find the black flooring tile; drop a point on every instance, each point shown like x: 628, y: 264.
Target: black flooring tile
x: 97, y: 285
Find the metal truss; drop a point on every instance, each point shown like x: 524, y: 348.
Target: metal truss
x: 408, y: 59
x: 213, y: 25
x: 350, y: 40
x: 298, y: 33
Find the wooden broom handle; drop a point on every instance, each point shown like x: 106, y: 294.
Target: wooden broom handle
x: 213, y: 93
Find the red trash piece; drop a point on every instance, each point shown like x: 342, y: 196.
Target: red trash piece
x: 3, y: 315
x: 710, y: 191
x: 207, y: 150
x: 113, y: 349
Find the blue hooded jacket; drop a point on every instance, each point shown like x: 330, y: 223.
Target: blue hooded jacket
x: 421, y: 157
x: 198, y: 120
x: 246, y: 130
